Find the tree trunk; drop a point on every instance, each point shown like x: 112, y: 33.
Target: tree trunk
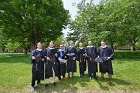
x: 25, y: 50
x: 133, y: 43
x: 112, y: 45
x: 3, y: 50
x: 133, y: 48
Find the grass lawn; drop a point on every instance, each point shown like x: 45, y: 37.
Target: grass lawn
x: 15, y: 76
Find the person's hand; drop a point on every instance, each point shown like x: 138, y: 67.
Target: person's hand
x: 74, y: 58
x: 68, y: 54
x: 108, y: 58
x: 33, y: 57
x: 48, y: 59
x: 56, y: 54
x: 84, y: 54
x: 42, y: 59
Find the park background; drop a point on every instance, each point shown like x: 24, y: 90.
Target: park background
x: 23, y: 23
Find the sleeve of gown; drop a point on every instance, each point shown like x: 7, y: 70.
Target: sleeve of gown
x: 45, y: 54
x: 32, y: 54
x: 96, y: 53
x: 78, y: 55
x: 111, y: 53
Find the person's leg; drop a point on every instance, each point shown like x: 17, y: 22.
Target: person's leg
x: 38, y: 81
x: 64, y: 75
x: 94, y: 75
x: 53, y: 78
x: 90, y: 76
x: 47, y: 82
x: 59, y: 70
x: 72, y: 74
x: 39, y: 84
x: 68, y: 74
x: 102, y: 76
x: 53, y: 81
x: 110, y: 79
x: 110, y: 76
x: 80, y: 69
x: 32, y: 85
x: 110, y: 71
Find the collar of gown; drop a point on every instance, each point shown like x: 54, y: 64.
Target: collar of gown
x: 81, y: 47
x: 51, y: 48
x: 89, y: 46
x: 104, y: 46
x: 39, y: 49
x: 71, y: 46
x: 61, y: 50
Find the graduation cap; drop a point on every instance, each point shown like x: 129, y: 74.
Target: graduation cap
x: 98, y: 59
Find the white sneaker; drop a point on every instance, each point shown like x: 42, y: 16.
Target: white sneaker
x: 32, y: 89
x: 90, y: 78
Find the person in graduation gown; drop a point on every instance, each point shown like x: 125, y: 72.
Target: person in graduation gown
x: 106, y: 53
x: 71, y: 62
x: 91, y: 53
x: 51, y: 69
x: 37, y: 59
x: 81, y: 58
x: 62, y: 61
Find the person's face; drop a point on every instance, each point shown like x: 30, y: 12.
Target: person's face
x: 89, y: 43
x: 71, y: 43
x: 80, y: 45
x: 61, y: 47
x: 51, y: 44
x: 39, y: 45
x: 103, y: 43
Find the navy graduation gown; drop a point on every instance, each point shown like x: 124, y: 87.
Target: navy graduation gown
x: 37, y: 65
x: 81, y: 58
x: 71, y: 62
x: 91, y: 52
x: 62, y: 65
x: 52, y: 64
x: 104, y: 53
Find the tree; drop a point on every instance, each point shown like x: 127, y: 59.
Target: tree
x: 31, y: 21
x: 117, y: 21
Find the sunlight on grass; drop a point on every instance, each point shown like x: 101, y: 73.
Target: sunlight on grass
x: 15, y: 76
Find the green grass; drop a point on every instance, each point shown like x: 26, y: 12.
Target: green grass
x: 15, y: 76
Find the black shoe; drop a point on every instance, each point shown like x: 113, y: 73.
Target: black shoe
x: 59, y: 78
x: 54, y: 83
x: 95, y: 78
x: 101, y: 78
x: 39, y: 85
x: 46, y: 85
x: 110, y: 82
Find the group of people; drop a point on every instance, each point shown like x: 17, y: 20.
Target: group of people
x: 60, y: 61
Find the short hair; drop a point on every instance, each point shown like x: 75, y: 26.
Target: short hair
x: 103, y: 40
x: 71, y: 41
x: 39, y: 43
x: 61, y: 45
x: 80, y: 42
x: 89, y: 40
x: 52, y: 42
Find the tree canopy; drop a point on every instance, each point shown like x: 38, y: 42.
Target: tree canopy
x: 32, y: 21
x: 117, y: 21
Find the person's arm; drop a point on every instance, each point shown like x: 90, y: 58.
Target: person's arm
x: 78, y: 55
x: 32, y: 56
x: 46, y: 55
x: 86, y: 53
x: 96, y: 53
x: 111, y: 51
x: 75, y: 52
